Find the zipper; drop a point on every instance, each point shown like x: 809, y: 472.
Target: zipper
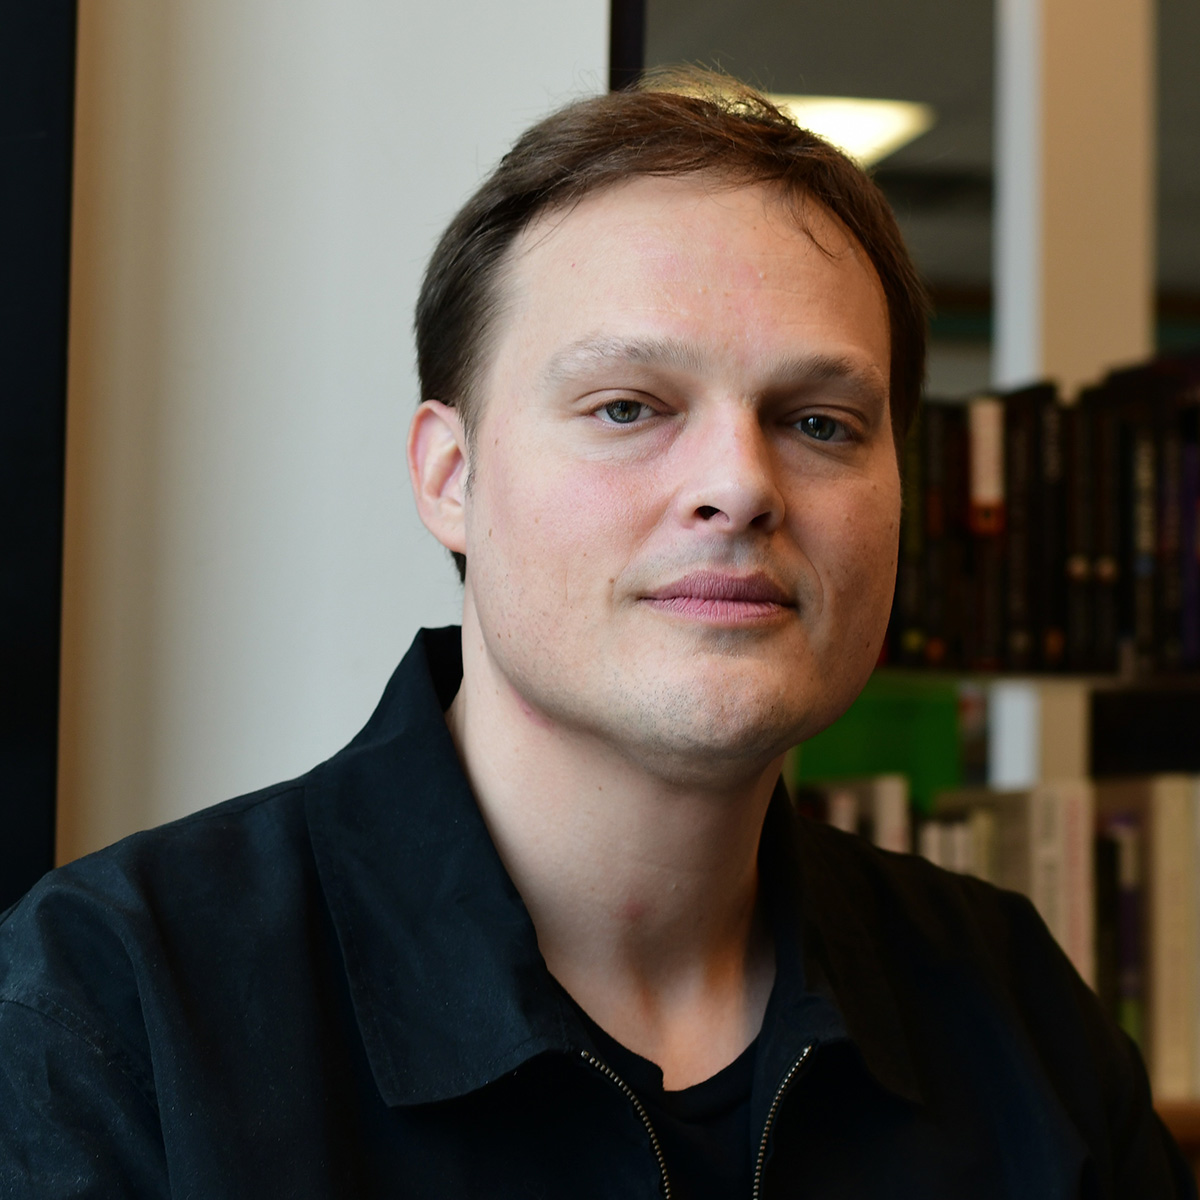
x: 631, y: 1096
x: 772, y: 1112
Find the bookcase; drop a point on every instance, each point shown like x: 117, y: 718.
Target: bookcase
x: 919, y: 748
x: 1035, y: 718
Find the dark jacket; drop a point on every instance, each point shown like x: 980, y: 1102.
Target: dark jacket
x: 331, y: 988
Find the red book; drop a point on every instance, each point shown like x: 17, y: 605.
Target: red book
x: 986, y: 521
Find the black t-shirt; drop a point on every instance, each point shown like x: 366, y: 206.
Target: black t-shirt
x: 704, y: 1130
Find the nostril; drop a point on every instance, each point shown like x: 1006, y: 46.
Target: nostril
x: 707, y: 512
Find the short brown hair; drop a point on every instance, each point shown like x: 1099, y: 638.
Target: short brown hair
x: 682, y: 123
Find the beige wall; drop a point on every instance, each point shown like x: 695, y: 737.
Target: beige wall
x: 258, y: 185
x: 1076, y: 167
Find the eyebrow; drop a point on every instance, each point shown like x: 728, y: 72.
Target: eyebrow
x: 790, y: 372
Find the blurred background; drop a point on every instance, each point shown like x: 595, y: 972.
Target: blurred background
x: 210, y: 559
x: 943, y: 183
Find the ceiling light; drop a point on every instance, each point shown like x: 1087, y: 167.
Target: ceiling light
x: 867, y: 130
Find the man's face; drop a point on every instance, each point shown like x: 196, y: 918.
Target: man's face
x: 681, y: 526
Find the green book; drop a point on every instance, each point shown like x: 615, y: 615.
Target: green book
x: 904, y: 723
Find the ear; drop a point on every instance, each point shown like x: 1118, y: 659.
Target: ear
x: 437, y: 468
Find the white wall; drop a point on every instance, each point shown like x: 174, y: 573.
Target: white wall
x: 258, y: 186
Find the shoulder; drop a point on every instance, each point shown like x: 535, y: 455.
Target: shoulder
x: 963, y: 955
x: 93, y: 941
x: 952, y: 944
x: 944, y: 913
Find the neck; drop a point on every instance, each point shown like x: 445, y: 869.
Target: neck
x: 643, y: 891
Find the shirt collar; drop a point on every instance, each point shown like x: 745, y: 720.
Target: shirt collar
x: 448, y: 984
x: 823, y: 908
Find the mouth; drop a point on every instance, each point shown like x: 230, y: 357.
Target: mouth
x: 721, y: 598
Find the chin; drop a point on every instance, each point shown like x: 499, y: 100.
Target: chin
x: 711, y: 735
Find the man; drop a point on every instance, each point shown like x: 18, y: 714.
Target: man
x: 548, y: 926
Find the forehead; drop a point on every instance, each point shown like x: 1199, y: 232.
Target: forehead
x: 734, y: 272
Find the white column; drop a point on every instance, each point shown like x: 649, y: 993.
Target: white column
x: 1074, y: 262
x: 258, y: 186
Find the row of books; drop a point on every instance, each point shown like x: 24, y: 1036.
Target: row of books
x: 1113, y: 867
x: 1042, y: 535
x: 941, y: 731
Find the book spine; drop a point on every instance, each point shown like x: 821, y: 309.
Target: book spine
x: 986, y: 520
x: 1048, y: 578
x: 931, y: 837
x: 1079, y: 877
x: 983, y: 842
x: 1106, y: 856
x: 909, y: 614
x: 891, y: 811
x: 843, y: 811
x: 1189, y: 530
x: 1139, y: 393
x: 1014, y: 859
x: 1048, y: 877
x: 974, y: 731
x: 1169, y: 616
x: 1194, y: 809
x: 1077, y: 567
x: 1126, y: 832
x: 1106, y: 570
x: 1014, y: 722
x: 1144, y: 542
x: 935, y: 584
x: 958, y: 557
x: 1020, y: 450
x: 1172, y: 938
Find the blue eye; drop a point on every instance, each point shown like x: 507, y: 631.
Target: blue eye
x: 623, y: 412
x: 822, y: 429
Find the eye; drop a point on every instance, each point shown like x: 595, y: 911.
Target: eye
x: 623, y: 412
x: 820, y: 428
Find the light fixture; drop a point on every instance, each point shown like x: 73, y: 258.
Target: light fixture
x: 867, y: 130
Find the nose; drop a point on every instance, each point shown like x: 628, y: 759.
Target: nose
x: 730, y: 474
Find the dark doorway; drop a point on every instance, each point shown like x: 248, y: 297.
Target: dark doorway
x: 37, y: 88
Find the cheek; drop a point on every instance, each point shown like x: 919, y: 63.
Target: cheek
x: 570, y: 528
x: 854, y: 549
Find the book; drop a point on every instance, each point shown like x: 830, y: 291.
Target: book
x: 1023, y: 524
x: 986, y: 521
x: 1039, y: 731
x: 1137, y: 394
x: 962, y: 837
x: 1106, y: 513
x: 1044, y: 850
x: 1077, y: 532
x: 902, y: 723
x: 1120, y: 957
x: 1130, y: 940
x: 932, y: 839
x: 1106, y: 853
x: 935, y: 581
x: 1189, y: 528
x: 909, y: 614
x: 1045, y: 536
x: 1164, y: 808
x: 1077, y: 799
x: 875, y: 807
x: 958, y: 549
x: 1168, y: 652
x: 1037, y: 841
x: 1049, y: 582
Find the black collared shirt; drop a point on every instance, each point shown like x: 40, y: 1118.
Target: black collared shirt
x: 331, y: 988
